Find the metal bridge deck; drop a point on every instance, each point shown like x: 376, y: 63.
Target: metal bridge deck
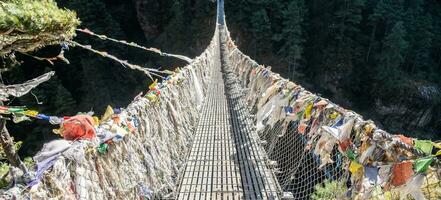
x: 225, y: 161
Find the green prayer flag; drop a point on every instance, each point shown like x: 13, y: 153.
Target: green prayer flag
x: 351, y: 155
x: 425, y: 146
x: 102, y: 149
x: 422, y: 164
x: 300, y: 114
x: 15, y: 110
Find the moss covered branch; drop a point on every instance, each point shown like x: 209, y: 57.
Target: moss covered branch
x: 27, y: 25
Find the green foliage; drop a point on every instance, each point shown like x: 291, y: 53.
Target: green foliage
x: 389, y: 72
x: 17, y: 146
x: 330, y: 190
x: 4, y: 170
x: 5, y: 180
x: 26, y: 25
x: 293, y: 34
x: 356, y: 52
x: 5, y: 167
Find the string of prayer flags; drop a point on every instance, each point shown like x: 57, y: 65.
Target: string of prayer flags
x: 132, y: 44
x: 376, y: 159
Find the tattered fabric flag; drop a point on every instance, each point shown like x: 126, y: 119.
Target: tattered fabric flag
x: 354, y: 167
x: 338, y: 123
x: 422, y: 164
x: 405, y: 139
x: 288, y: 109
x: 55, y: 120
x: 153, y: 85
x: 401, y: 173
x: 102, y: 149
x: 152, y: 95
x: 144, y: 191
x: 308, y: 111
x: 17, y: 118
x: 331, y: 130
x: 19, y: 90
x: 425, y: 146
x: 369, y: 128
x: 333, y: 115
x: 16, y: 109
x: 42, y: 116
x: 371, y: 173
x: 384, y: 174
x: 42, y: 167
x: 31, y: 113
x: 340, y: 132
x: 351, y: 155
x: 321, y: 103
x: 302, y: 127
x: 117, y: 111
x: 438, y: 146
x: 414, y: 188
x: 345, y: 144
x: 367, y: 153
x: 107, y: 114
x: 300, y: 114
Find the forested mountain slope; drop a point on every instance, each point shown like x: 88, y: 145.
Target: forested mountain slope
x: 381, y: 58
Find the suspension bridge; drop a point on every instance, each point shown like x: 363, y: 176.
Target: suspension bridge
x: 225, y: 127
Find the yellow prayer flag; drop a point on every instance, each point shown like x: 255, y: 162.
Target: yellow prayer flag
x: 107, y: 114
x: 152, y: 97
x: 96, y: 121
x: 31, y: 113
x: 354, y: 167
x: 308, y: 110
x: 437, y: 145
x: 333, y: 115
x: 154, y: 84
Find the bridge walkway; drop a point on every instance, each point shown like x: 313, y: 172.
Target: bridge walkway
x: 226, y: 160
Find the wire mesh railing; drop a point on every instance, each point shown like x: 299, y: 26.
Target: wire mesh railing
x: 145, y: 163
x: 320, y: 150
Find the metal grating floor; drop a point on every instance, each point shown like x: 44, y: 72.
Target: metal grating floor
x: 225, y: 161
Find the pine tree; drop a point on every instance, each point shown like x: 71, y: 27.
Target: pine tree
x: 345, y: 30
x: 389, y: 73
x: 260, y: 25
x: 385, y: 14
x: 292, y: 36
x: 419, y: 28
x: 342, y: 49
x: 434, y: 9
